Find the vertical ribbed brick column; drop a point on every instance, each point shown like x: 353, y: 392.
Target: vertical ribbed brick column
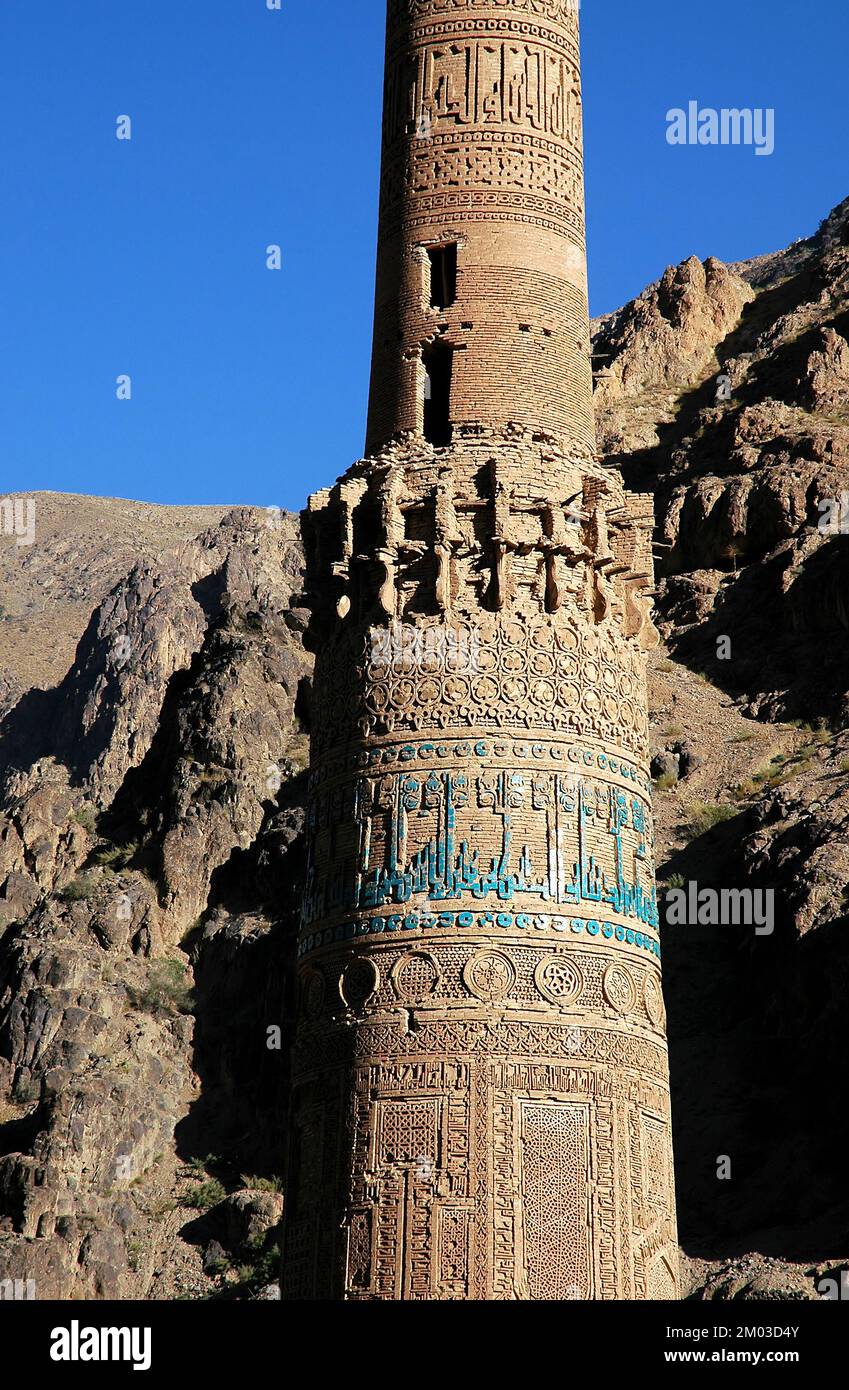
x: 480, y: 1084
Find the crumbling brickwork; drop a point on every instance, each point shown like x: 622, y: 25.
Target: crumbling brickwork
x: 482, y: 151
x: 481, y: 1100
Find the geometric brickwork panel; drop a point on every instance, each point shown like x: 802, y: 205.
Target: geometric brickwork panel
x: 480, y: 1089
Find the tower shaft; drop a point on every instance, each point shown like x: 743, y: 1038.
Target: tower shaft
x: 480, y: 1080
x: 481, y: 253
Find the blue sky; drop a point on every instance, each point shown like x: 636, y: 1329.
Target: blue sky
x: 252, y: 126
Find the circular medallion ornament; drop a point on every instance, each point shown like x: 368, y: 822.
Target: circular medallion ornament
x: 512, y: 633
x: 513, y: 662
x: 567, y: 639
x: 358, y: 983
x: 591, y: 701
x: 558, y: 980
x: 485, y: 690
x: 543, y: 664
x: 542, y: 637
x: 653, y: 1000
x: 312, y: 993
x: 455, y: 690
x: 568, y: 694
x: 415, y: 976
x: 403, y: 694
x: 378, y: 698
x: 543, y: 693
x: 427, y: 691
x: 619, y: 988
x: 489, y: 976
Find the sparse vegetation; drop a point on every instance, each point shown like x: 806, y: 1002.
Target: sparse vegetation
x: 298, y: 754
x: 703, y: 816
x: 86, y: 816
x: 261, y: 1184
x: 745, y: 789
x: 167, y: 991
x: 665, y: 781
x: 204, y: 1195
x: 213, y: 777
x: 817, y: 734
x: 79, y: 890
x: 769, y: 776
x: 203, y: 1165
x: 263, y: 1268
x: 117, y: 856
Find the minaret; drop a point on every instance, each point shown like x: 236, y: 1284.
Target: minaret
x: 480, y: 1082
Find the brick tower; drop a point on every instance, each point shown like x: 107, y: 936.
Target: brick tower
x: 480, y: 1086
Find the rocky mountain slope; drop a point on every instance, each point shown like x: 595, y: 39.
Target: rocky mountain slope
x: 725, y: 392
x: 151, y: 793
x: 49, y: 588
x: 148, y: 876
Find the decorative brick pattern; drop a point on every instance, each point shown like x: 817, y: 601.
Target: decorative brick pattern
x: 482, y: 147
x: 481, y: 1098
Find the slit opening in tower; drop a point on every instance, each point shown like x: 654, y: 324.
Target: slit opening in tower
x: 443, y: 275
x: 438, y: 362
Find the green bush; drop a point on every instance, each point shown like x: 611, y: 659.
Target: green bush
x: 261, y: 1184
x: 265, y: 1269
x: 117, y: 856
x: 204, y: 1195
x: 86, y: 816
x: 703, y: 816
x: 79, y: 890
x: 167, y: 990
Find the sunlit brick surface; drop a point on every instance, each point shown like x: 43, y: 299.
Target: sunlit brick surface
x: 480, y: 1084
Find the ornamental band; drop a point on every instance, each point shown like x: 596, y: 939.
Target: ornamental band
x: 480, y: 1081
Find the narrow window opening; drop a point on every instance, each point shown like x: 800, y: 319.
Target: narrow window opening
x: 438, y: 360
x: 443, y: 275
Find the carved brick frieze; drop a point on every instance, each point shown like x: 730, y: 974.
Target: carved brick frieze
x: 480, y: 1075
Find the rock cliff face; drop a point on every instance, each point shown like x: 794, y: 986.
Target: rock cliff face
x: 148, y: 872
x: 724, y: 392
x: 151, y: 805
x: 748, y: 462
x: 81, y: 547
